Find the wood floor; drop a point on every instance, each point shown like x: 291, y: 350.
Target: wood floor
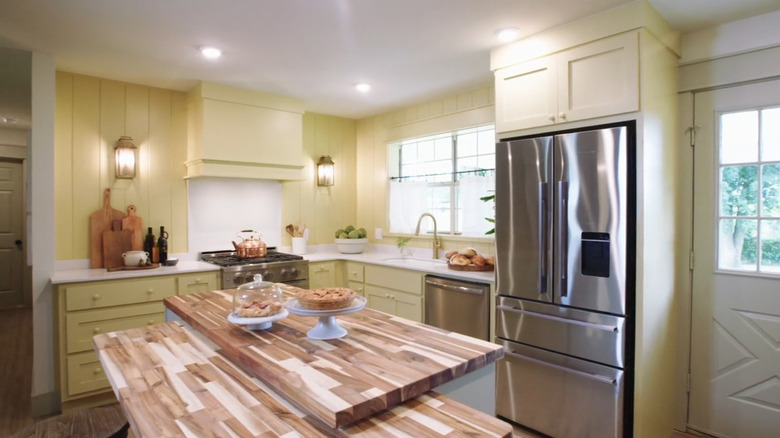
x: 15, y: 370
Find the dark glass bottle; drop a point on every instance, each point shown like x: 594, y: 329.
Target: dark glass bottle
x: 162, y: 245
x: 149, y: 243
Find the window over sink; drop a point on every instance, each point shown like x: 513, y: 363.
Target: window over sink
x: 446, y: 175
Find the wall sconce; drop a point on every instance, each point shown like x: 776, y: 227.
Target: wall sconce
x: 325, y: 171
x: 125, y: 158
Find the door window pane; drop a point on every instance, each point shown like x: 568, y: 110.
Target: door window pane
x: 770, y: 246
x: 737, y: 244
x: 739, y: 137
x: 770, y: 190
x: 738, y: 190
x: 770, y: 134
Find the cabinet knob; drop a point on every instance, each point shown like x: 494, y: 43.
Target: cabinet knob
x: 562, y: 116
x: 96, y: 330
x: 150, y: 322
x: 96, y: 371
x: 197, y: 280
x: 551, y: 117
x: 96, y: 297
x: 149, y: 291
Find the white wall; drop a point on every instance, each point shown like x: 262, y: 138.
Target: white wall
x: 218, y: 208
x: 41, y: 231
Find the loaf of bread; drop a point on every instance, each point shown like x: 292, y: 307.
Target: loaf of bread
x: 460, y: 259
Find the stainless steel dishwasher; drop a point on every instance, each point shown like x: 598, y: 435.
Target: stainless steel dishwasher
x: 458, y: 306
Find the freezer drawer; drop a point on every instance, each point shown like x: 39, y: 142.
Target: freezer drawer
x: 592, y: 336
x: 559, y: 395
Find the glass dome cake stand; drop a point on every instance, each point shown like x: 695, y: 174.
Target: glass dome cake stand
x: 327, y: 326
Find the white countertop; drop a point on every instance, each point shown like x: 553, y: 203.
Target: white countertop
x: 420, y: 260
x: 85, y: 274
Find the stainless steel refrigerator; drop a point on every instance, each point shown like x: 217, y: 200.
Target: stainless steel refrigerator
x: 565, y: 243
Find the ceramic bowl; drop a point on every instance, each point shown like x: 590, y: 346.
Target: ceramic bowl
x: 351, y: 246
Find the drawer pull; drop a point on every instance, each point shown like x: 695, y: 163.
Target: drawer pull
x: 149, y: 291
x: 150, y: 322
x: 197, y: 280
x: 95, y: 297
x: 96, y: 371
x: 96, y: 330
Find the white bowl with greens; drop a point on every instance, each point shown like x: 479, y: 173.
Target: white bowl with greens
x: 351, y: 240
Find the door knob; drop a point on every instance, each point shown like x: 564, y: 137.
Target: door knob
x: 18, y: 243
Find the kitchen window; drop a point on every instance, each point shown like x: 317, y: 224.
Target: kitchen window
x: 445, y: 175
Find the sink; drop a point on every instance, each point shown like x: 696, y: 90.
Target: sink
x: 421, y: 263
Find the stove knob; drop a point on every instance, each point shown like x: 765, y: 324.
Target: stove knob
x: 293, y: 272
x: 267, y: 275
x: 250, y: 277
x: 238, y: 279
x: 284, y: 272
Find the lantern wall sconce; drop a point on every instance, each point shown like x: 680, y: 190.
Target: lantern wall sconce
x: 124, y: 154
x: 325, y: 171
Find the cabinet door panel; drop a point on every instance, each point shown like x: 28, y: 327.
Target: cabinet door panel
x: 116, y: 293
x: 357, y: 287
x: 380, y: 299
x: 200, y: 282
x: 85, y: 373
x: 354, y: 271
x: 81, y: 326
x: 526, y: 95
x: 599, y: 79
x: 322, y: 275
x: 408, y: 306
x: 397, y: 279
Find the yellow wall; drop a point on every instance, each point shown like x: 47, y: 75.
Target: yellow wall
x: 91, y: 115
x: 323, y: 209
x: 468, y: 109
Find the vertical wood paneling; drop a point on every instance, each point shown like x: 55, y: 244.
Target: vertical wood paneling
x: 63, y: 166
x: 178, y: 136
x: 323, y: 209
x: 89, y: 169
x: 92, y: 114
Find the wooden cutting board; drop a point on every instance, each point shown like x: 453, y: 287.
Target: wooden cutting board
x: 135, y: 225
x: 100, y: 221
x: 116, y: 242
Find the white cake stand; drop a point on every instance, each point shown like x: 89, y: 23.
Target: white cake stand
x: 258, y: 323
x: 327, y: 327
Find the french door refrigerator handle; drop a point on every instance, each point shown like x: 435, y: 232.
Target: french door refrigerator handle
x: 563, y: 228
x: 605, y: 327
x: 597, y: 377
x: 541, y: 285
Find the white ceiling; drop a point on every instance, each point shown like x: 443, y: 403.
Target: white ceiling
x: 314, y: 50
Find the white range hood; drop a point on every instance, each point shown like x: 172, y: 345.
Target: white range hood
x: 238, y: 133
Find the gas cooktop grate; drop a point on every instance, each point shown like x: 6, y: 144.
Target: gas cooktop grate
x: 231, y: 259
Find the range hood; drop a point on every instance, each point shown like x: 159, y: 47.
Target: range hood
x: 238, y: 133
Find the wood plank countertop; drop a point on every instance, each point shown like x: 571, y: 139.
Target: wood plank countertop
x: 170, y: 383
x: 382, y: 361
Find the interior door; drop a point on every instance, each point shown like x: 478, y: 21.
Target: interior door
x: 735, y: 338
x: 11, y: 249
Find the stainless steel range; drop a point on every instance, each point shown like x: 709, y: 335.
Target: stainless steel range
x: 276, y: 267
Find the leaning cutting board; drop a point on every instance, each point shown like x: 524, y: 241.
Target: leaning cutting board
x: 115, y: 243
x: 134, y: 224
x: 100, y: 221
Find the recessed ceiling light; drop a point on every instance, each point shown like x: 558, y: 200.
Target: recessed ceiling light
x: 363, y: 87
x: 210, y: 52
x: 507, y: 34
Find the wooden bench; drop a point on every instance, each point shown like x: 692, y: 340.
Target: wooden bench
x: 169, y: 381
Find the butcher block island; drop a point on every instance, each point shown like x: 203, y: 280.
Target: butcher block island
x: 375, y: 381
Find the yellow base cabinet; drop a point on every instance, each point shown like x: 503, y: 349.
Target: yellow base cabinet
x: 323, y: 274
x: 89, y: 308
x: 354, y: 276
x: 394, y: 291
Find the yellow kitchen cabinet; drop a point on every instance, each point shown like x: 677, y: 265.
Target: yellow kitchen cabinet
x: 323, y: 274
x: 394, y: 291
x: 85, y: 309
x: 197, y: 282
x: 592, y: 80
x: 354, y: 276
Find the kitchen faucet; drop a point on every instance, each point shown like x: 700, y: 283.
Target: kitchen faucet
x: 436, y: 241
